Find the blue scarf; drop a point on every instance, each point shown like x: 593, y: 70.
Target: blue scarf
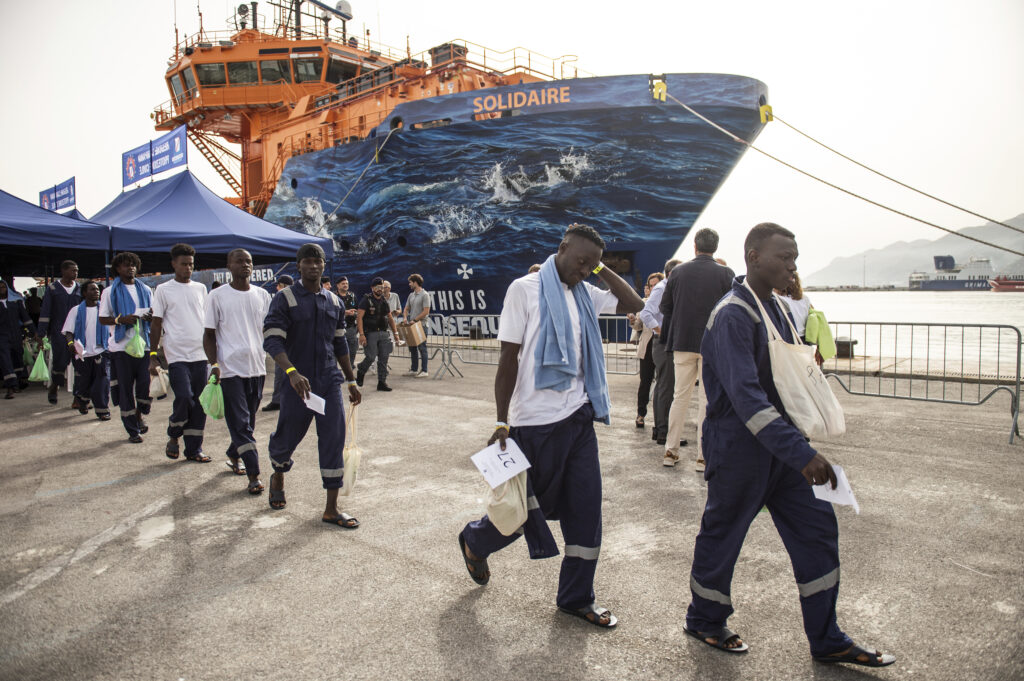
x: 102, y: 334
x: 122, y: 304
x: 555, y: 354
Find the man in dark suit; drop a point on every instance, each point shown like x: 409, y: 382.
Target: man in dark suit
x: 690, y: 294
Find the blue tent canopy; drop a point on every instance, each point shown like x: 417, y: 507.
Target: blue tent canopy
x: 76, y: 214
x: 178, y: 209
x: 34, y: 241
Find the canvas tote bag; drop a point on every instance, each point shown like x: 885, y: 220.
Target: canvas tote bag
x: 803, y: 389
x: 506, y: 507
x: 352, y: 456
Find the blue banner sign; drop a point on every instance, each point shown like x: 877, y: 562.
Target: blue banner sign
x: 135, y: 165
x: 165, y: 153
x: 60, y: 197
x: 169, y: 151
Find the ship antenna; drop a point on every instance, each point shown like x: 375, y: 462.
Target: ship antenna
x: 200, y: 11
x: 175, y: 28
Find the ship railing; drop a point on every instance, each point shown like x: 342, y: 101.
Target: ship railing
x: 226, y: 97
x: 964, y: 364
x: 473, y: 339
x: 224, y: 37
x: 517, y: 60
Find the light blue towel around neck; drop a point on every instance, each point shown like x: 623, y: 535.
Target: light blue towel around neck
x: 555, y: 354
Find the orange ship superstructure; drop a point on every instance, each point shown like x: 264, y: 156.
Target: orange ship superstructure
x: 309, y: 85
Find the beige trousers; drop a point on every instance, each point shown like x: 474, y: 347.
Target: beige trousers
x: 687, y: 370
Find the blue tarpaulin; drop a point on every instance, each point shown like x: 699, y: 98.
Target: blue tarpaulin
x: 154, y: 217
x: 34, y: 241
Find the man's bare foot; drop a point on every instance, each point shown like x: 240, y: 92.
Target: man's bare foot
x: 277, y: 500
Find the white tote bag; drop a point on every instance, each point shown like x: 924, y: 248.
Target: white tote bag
x: 159, y: 385
x: 506, y: 507
x: 803, y: 389
x: 352, y: 456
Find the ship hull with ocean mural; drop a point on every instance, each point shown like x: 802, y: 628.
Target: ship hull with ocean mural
x: 470, y: 189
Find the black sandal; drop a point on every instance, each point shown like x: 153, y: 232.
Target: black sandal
x: 851, y: 656
x: 343, y: 520
x: 198, y: 458
x: 640, y: 422
x: 236, y: 465
x: 478, y: 569
x: 277, y: 495
x: 255, y: 486
x: 593, y: 614
x: 171, y: 449
x: 723, y: 636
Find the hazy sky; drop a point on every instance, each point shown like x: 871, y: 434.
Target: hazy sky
x: 927, y: 91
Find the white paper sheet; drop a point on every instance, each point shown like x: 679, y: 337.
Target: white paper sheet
x: 842, y: 494
x: 498, y: 466
x: 316, y: 403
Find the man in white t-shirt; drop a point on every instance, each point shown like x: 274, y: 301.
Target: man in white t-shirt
x: 549, y: 407
x: 122, y: 304
x: 178, y: 317
x: 233, y: 341
x: 92, y: 366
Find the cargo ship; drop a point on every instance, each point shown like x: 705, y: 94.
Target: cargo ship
x: 1007, y: 283
x: 976, y: 274
x: 461, y: 163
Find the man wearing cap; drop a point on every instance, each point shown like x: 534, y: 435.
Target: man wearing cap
x: 284, y: 281
x: 374, y: 319
x: 304, y: 332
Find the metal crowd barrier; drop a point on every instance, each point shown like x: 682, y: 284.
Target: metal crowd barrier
x: 950, y: 363
x: 437, y: 345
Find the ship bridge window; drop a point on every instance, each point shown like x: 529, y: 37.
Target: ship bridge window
x: 338, y: 70
x: 210, y: 74
x: 242, y: 73
x: 179, y: 93
x: 275, y: 70
x: 308, y: 70
x: 190, y: 81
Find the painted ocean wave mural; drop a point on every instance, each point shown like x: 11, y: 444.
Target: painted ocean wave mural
x: 471, y: 204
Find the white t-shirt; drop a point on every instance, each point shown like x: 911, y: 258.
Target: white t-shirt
x: 800, y: 309
x: 520, y: 323
x: 92, y: 318
x: 107, y: 310
x: 69, y: 289
x: 237, y: 316
x: 181, y: 307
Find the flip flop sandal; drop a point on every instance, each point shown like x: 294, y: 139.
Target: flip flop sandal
x: 277, y: 495
x: 475, y: 567
x: 198, y: 458
x: 343, y: 520
x: 723, y: 636
x: 171, y: 450
x: 592, y: 614
x: 236, y: 465
x: 875, y: 659
x: 255, y: 487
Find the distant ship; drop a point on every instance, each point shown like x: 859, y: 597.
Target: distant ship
x: 463, y: 164
x: 976, y: 274
x: 1006, y: 283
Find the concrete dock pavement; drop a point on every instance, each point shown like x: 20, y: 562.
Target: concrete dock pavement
x: 118, y: 563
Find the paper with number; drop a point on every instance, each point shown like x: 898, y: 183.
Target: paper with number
x: 842, y: 494
x: 498, y: 466
x: 316, y: 403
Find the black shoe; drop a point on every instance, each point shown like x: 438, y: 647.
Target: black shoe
x: 661, y: 439
x: 103, y: 417
x: 383, y: 387
x: 135, y: 438
x: 359, y: 378
x: 272, y: 406
x: 143, y: 427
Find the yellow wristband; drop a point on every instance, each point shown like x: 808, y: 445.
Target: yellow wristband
x: 152, y: 354
x: 600, y: 266
x: 290, y: 370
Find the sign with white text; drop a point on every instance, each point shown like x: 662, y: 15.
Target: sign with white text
x: 60, y: 197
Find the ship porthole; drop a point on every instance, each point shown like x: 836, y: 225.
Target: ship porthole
x: 295, y: 183
x: 345, y: 245
x: 396, y: 123
x: 402, y: 241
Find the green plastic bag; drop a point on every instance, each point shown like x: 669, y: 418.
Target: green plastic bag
x: 40, y: 372
x: 27, y: 356
x: 212, y: 399
x: 137, y: 344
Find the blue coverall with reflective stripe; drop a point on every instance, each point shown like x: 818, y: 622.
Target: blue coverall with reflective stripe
x: 57, y: 302
x: 310, y: 329
x: 754, y: 456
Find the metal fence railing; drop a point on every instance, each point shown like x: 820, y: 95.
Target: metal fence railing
x: 951, y: 363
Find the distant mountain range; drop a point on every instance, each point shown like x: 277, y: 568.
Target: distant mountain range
x: 894, y: 263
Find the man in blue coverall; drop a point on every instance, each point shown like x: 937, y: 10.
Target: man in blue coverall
x: 756, y: 457
x: 304, y: 332
x: 60, y: 297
